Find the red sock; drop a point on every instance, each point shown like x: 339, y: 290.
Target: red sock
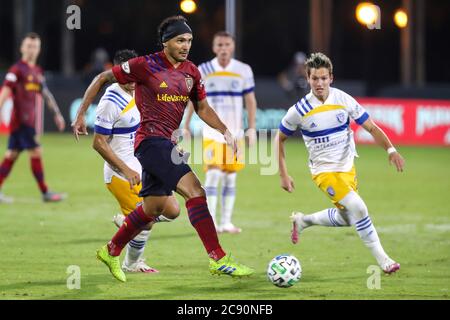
x: 134, y: 223
x: 202, y: 221
x: 38, y: 172
x: 5, y: 169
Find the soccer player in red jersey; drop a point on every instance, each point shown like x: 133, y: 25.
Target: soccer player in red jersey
x: 165, y: 82
x: 25, y: 82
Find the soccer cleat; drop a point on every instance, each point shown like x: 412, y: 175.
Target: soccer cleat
x: 5, y: 199
x: 228, y: 266
x: 53, y: 196
x: 391, y: 268
x: 297, y: 226
x: 113, y: 263
x: 229, y: 228
x: 118, y: 220
x: 139, y: 266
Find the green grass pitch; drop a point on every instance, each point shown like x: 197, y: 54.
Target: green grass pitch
x: 38, y: 241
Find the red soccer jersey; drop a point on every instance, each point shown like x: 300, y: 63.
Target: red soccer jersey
x: 162, y: 92
x: 26, y: 83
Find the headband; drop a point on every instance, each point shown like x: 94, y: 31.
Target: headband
x: 175, y: 29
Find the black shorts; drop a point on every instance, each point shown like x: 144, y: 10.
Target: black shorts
x: 22, y: 139
x: 162, y: 167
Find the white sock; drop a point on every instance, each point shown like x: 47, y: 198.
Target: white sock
x: 212, y: 180
x: 228, y: 198
x: 135, y: 248
x: 359, y: 216
x: 331, y: 217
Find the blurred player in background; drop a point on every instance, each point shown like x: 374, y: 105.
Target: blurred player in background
x: 25, y: 82
x: 165, y: 82
x: 323, y: 116
x: 117, y: 119
x: 228, y: 83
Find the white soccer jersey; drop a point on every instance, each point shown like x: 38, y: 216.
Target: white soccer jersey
x: 326, y: 130
x: 225, y: 90
x: 118, y: 117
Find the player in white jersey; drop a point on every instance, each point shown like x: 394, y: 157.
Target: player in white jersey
x: 117, y: 119
x: 323, y: 116
x: 228, y: 83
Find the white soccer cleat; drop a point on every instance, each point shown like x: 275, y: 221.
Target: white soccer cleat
x: 390, y: 266
x: 118, y: 220
x: 229, y: 228
x: 297, y: 226
x: 139, y: 266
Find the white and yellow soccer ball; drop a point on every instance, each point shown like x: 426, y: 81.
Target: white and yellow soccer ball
x: 284, y: 271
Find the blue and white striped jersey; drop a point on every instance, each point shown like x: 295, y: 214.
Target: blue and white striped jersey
x: 326, y: 129
x: 225, y: 91
x: 118, y: 117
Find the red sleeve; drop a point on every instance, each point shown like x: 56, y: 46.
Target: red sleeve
x: 198, y: 92
x: 12, y: 77
x: 131, y: 71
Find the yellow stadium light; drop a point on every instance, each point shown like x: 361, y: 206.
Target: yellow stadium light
x: 188, y: 6
x: 367, y: 13
x: 401, y: 18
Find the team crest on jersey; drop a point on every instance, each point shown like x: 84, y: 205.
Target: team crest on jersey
x: 126, y: 67
x: 189, y: 83
x: 340, y: 117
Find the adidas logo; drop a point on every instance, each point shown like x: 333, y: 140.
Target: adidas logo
x: 313, y: 125
x: 163, y: 85
x: 132, y: 120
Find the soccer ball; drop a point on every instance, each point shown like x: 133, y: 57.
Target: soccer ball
x: 284, y: 271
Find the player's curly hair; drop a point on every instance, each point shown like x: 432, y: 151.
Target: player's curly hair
x: 165, y: 24
x: 124, y: 55
x: 316, y: 61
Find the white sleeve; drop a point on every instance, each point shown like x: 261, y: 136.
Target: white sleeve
x: 106, y: 114
x: 355, y: 110
x: 202, y: 70
x: 290, y: 121
x: 249, y: 80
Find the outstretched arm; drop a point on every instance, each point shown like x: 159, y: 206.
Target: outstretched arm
x: 189, y: 113
x: 79, y: 124
x: 287, y: 183
x: 102, y: 146
x: 5, y: 92
x: 53, y: 106
x: 210, y: 117
x: 382, y: 140
x: 251, y: 106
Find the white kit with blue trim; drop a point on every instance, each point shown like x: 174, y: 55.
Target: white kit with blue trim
x: 118, y: 117
x: 326, y: 130
x: 225, y: 91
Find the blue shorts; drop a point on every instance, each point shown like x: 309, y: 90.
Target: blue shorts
x: 160, y: 170
x: 22, y: 139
